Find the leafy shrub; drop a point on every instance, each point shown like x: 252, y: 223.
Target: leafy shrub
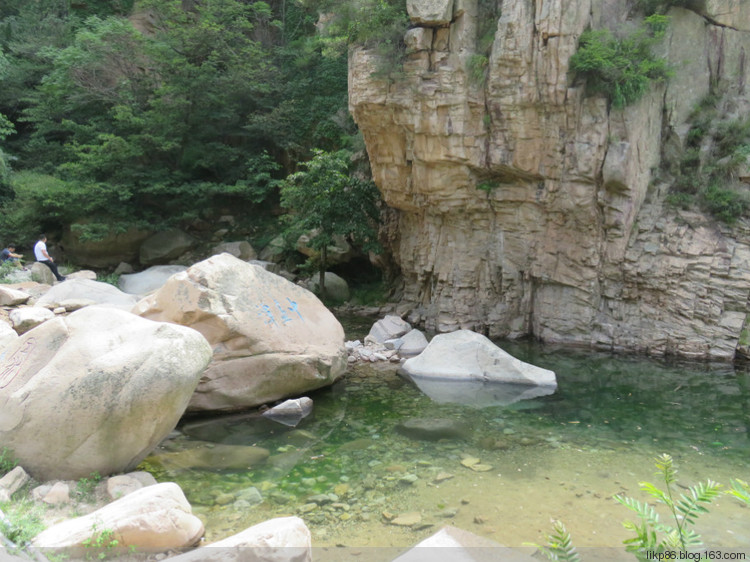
x: 477, y: 68
x: 725, y: 204
x: 23, y: 521
x: 7, y: 461
x: 622, y: 69
x: 707, y: 172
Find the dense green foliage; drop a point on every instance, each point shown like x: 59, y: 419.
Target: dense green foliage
x: 330, y: 200
x: 170, y: 115
x: 621, y: 68
x: 707, y: 174
x: 379, y: 25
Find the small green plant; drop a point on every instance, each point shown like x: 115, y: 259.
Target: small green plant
x: 85, y: 486
x: 560, y: 545
x: 6, y: 268
x: 476, y: 67
x: 651, y: 533
x: 111, y: 278
x: 22, y: 521
x: 740, y: 490
x: 487, y: 186
x: 102, y: 542
x: 7, y: 461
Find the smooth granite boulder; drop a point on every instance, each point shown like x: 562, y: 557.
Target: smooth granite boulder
x: 271, y: 338
x: 95, y: 391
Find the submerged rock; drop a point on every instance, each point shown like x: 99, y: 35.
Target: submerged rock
x: 213, y: 456
x: 290, y: 412
x: 434, y: 429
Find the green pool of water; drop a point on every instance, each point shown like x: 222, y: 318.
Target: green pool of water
x: 349, y: 473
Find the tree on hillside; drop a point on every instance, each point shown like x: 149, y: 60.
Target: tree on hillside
x: 327, y: 199
x: 206, y: 109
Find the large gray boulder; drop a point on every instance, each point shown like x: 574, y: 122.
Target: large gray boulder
x: 148, y: 280
x: 271, y: 338
x: 165, y: 246
x: 465, y: 355
x: 388, y: 328
x: 95, y: 292
x: 242, y: 250
x: 103, y: 252
x: 95, y: 391
x: 337, y: 289
x: 42, y: 274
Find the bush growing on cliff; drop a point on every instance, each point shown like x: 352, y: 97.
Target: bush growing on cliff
x: 622, y: 69
x: 379, y: 25
x: 708, y: 172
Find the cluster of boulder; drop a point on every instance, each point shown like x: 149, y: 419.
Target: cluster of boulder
x: 132, y: 517
x: 113, y: 372
x: 390, y: 339
x: 93, y: 377
x: 138, y: 516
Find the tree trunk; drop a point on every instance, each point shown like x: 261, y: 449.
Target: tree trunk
x: 322, y: 272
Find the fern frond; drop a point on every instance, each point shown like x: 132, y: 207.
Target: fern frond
x: 740, y: 490
x: 655, y: 492
x: 692, y: 540
x: 665, y: 468
x: 560, y: 545
x: 644, y: 510
x: 671, y: 541
x: 701, y: 493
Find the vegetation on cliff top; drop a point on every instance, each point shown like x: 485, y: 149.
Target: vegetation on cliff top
x: 621, y: 68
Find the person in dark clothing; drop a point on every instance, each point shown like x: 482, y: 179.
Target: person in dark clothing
x: 41, y: 255
x: 9, y: 255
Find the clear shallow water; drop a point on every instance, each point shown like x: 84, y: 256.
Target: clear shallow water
x: 346, y: 470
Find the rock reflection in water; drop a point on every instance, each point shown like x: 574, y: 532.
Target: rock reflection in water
x: 478, y: 394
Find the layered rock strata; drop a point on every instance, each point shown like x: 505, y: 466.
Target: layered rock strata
x: 526, y: 207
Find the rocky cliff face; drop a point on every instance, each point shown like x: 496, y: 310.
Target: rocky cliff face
x: 572, y: 242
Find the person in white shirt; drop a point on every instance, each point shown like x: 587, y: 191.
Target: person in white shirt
x: 41, y: 255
